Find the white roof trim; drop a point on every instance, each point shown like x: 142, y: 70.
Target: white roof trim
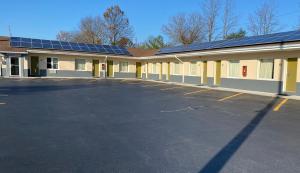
x: 78, y: 54
x: 268, y: 48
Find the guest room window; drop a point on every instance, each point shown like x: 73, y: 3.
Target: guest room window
x: 154, y: 68
x: 80, y: 64
x: 176, y: 68
x: 123, y: 66
x: 193, y: 68
x: 52, y: 63
x: 234, y: 68
x: 266, y: 69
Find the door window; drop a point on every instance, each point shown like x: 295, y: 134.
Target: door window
x: 14, y: 63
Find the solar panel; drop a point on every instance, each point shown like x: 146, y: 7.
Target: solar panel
x: 15, y: 44
x: 47, y: 46
x: 20, y: 42
x: 37, y: 45
x: 247, y: 41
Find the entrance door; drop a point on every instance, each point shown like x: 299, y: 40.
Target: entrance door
x: 138, y: 70
x: 169, y: 71
x: 218, y: 73
x: 110, y: 70
x: 291, y: 75
x: 96, y: 68
x: 14, y: 66
x: 204, y: 75
x: 34, y: 67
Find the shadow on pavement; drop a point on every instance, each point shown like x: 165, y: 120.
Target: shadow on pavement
x: 223, y: 156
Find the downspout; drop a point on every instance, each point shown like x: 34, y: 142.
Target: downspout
x: 182, y: 67
x: 105, y: 60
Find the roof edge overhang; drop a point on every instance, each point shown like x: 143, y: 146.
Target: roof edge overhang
x: 38, y: 51
x: 248, y: 49
x: 12, y: 52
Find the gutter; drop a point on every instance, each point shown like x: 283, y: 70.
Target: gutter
x: 80, y: 54
x: 13, y: 52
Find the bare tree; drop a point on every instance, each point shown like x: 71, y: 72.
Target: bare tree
x: 210, y: 13
x: 117, y: 25
x: 91, y: 30
x: 65, y: 36
x: 264, y: 20
x: 184, y: 29
x: 229, y: 19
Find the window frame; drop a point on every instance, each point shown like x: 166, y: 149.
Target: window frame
x: 52, y: 63
x: 196, y: 64
x: 228, y: 69
x: 85, y: 69
x: 259, y: 66
x: 120, y: 65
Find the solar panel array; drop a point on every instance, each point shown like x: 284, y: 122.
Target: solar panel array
x: 247, y: 41
x: 19, y: 42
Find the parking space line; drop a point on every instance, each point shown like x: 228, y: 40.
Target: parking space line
x: 125, y: 80
x: 196, y: 92
x: 133, y: 83
x: 229, y: 97
x: 165, y: 89
x: 153, y: 85
x: 2, y: 103
x: 277, y: 108
x: 3, y: 95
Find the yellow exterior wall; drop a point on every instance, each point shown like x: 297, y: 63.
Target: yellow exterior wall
x: 65, y: 62
x: 298, y: 70
x: 210, y: 68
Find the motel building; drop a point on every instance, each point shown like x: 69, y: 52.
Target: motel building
x: 268, y: 63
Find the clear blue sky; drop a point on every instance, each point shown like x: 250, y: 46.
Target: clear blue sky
x: 45, y: 18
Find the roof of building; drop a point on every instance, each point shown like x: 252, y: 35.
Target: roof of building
x: 29, y: 43
x: 139, y: 52
x: 282, y: 37
x: 5, y: 46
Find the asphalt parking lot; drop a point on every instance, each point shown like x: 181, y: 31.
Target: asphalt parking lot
x: 94, y: 126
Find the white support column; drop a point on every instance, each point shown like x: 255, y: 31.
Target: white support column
x: 105, y: 61
x: 182, y: 67
x: 146, y: 70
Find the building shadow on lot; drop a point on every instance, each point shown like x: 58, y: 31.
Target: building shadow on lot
x: 220, y: 159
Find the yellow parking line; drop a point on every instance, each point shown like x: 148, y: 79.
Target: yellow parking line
x: 229, y: 97
x: 165, y: 89
x: 277, y: 108
x: 196, y: 92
